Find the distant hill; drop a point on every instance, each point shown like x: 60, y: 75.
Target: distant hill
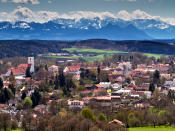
x: 10, y: 48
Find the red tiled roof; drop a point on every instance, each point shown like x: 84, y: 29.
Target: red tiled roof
x: 21, y: 69
x: 99, y: 90
x: 117, y: 122
x: 99, y: 86
x: 73, y: 68
x: 87, y: 98
x: 138, y: 93
x: 86, y: 91
x: 107, y: 98
x: 24, y: 65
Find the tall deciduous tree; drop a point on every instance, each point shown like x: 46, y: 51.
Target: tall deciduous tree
x: 27, y: 103
x: 88, y: 114
x: 5, y: 121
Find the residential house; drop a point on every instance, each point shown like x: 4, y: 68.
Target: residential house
x: 72, y: 69
x: 53, y: 69
x: 105, y: 84
x: 117, y: 122
x: 74, y: 104
x: 116, y: 86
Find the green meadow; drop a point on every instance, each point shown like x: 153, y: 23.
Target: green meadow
x: 98, y: 51
x: 99, y: 54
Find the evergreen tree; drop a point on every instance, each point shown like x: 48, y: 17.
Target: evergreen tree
x: 1, y: 83
x: 69, y: 82
x: 2, y: 97
x: 98, y: 71
x: 12, y: 78
x: 28, y: 74
x: 82, y: 75
x: 156, y: 77
x: 35, y: 98
x: 23, y: 96
x: 8, y: 94
x: 46, y: 67
x: 151, y: 87
x: 61, y: 78
x: 13, y: 89
x: 56, y: 86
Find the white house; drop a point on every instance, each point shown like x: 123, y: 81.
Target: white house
x: 116, y: 86
x: 75, y: 104
x: 123, y: 91
x: 105, y: 84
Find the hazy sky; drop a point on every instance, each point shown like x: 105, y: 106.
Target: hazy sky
x: 163, y: 8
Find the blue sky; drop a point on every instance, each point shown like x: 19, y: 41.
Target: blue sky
x: 163, y: 8
x: 46, y: 10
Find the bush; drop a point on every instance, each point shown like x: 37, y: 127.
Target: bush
x: 102, y: 117
x: 88, y: 114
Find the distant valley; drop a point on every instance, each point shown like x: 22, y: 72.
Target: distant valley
x: 11, y: 48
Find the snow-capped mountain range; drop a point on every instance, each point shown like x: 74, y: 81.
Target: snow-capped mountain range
x: 23, y: 23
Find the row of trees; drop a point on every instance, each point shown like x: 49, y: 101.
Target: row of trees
x: 87, y: 120
x: 66, y: 121
x: 147, y: 117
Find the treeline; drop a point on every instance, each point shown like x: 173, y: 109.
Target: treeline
x: 11, y: 48
x: 14, y: 48
x: 86, y: 120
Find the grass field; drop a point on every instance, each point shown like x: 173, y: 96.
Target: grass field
x: 152, y: 129
x: 98, y: 52
x: 108, y: 52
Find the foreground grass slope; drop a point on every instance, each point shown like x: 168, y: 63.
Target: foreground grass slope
x: 152, y: 129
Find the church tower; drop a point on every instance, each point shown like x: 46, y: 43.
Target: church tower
x: 31, y: 61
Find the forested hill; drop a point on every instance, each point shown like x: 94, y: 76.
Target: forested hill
x: 10, y: 48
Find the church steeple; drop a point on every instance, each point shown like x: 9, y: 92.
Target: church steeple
x: 32, y: 62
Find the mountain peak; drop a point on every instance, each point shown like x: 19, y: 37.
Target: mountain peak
x: 139, y: 14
